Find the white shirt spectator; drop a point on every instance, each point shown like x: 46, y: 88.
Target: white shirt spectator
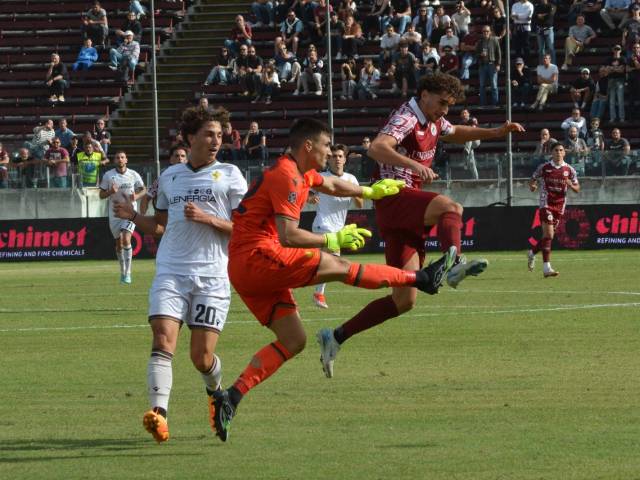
x: 580, y: 124
x: 548, y: 72
x: 390, y: 42
x: 446, y: 41
x: 522, y: 12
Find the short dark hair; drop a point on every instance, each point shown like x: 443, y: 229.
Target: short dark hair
x: 441, y: 83
x: 340, y: 146
x: 178, y: 146
x: 193, y: 118
x: 306, y: 129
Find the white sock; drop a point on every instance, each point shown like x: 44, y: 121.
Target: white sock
x: 120, y: 255
x: 159, y: 378
x: 546, y: 266
x: 320, y: 288
x: 213, y: 378
x: 127, y: 254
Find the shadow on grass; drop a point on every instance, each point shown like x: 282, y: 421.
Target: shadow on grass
x: 408, y: 445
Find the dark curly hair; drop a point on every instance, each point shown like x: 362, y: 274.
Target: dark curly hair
x: 193, y: 118
x: 442, y: 83
x: 306, y: 129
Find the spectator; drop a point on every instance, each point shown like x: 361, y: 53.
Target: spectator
x: 88, y: 138
x: 95, y: 25
x: 461, y: 19
x: 361, y: 154
x: 374, y: 20
x: 467, y: 152
x: 269, y: 83
x: 241, y: 72
x: 634, y: 80
x: 400, y: 15
x: 222, y: 72
x: 591, y: 11
x: 489, y: 6
x: 131, y: 24
x: 286, y: 64
x: 616, y: 72
x: 499, y: 23
x: 615, y: 11
x: 41, y: 141
x: 631, y: 32
x: 600, y: 94
x: 352, y: 37
x: 64, y: 133
x: 255, y: 144
x: 545, y: 145
x: 520, y: 83
x: 291, y: 30
x: 369, y: 81
x: 582, y: 89
x: 312, y: 68
x: 250, y: 81
x: 57, y: 159
x: 348, y: 77
x: 135, y: 7
x: 241, y: 34
x: 125, y: 57
x: 203, y: 103
x: 263, y: 12
x: 403, y: 71
x: 575, y: 120
x: 544, y: 15
x: 575, y: 143
x: 423, y: 21
x: 346, y: 8
x: 29, y: 168
x: 579, y: 36
x: 57, y: 79
x: 595, y: 143
x: 547, y: 77
x: 428, y: 52
x: 231, y: 146
x: 86, y: 57
x: 4, y: 167
x: 337, y: 32
x: 388, y: 45
x: 74, y: 149
x: 618, y: 150
x: 521, y: 14
x: 489, y: 59
x: 440, y: 25
x: 468, y: 50
x: 448, y: 40
x: 101, y: 134
x: 89, y: 162
x: 449, y: 62
x: 319, y: 21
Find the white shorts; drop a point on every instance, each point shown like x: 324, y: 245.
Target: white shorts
x: 118, y: 224
x: 201, y: 302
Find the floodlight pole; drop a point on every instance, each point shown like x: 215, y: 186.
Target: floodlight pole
x: 154, y: 87
x: 507, y: 67
x: 327, y: 20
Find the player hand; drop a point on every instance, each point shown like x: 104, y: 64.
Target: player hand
x: 382, y: 188
x: 113, y: 189
x: 533, y: 187
x: 123, y: 210
x: 195, y: 213
x: 350, y: 237
x: 426, y: 174
x: 511, y: 127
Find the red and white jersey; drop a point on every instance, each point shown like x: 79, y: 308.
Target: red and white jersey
x: 552, y: 180
x: 417, y: 138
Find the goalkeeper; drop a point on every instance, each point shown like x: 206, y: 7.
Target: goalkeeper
x: 269, y: 255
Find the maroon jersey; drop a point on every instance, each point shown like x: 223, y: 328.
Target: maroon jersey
x: 417, y: 138
x: 553, y: 184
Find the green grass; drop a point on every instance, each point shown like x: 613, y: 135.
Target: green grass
x: 510, y: 377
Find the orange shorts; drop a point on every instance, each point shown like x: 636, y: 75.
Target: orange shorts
x: 265, y: 276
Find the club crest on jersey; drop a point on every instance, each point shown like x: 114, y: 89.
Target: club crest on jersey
x: 565, y: 173
x: 293, y: 196
x: 216, y: 176
x: 433, y: 129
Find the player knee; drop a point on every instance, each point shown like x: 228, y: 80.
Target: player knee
x: 202, y: 359
x: 405, y: 304
x: 296, y: 344
x: 455, y: 207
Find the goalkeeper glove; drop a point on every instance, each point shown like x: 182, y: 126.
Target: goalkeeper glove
x: 350, y: 237
x: 382, y: 188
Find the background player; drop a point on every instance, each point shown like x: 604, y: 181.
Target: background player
x: 123, y: 184
x: 194, y: 202
x: 404, y: 149
x: 269, y: 254
x: 177, y: 154
x: 331, y: 211
x: 554, y: 177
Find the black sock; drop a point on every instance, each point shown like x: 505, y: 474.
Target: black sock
x: 234, y: 395
x: 338, y: 334
x: 161, y: 411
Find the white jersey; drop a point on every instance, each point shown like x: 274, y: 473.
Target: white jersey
x: 128, y: 182
x: 188, y: 247
x: 332, y: 211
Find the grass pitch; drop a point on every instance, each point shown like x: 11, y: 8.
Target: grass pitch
x: 509, y: 377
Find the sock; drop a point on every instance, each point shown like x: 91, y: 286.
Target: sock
x: 546, y: 266
x: 320, y: 288
x: 263, y: 364
x: 546, y: 249
x: 127, y: 254
x: 536, y: 248
x: 373, y: 314
x: 159, y: 379
x: 374, y: 276
x: 121, y: 261
x: 450, y: 231
x: 213, y: 378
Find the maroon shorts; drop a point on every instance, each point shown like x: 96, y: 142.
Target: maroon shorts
x: 400, y: 220
x: 550, y: 216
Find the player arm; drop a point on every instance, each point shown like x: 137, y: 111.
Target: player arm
x: 574, y: 185
x: 291, y: 235
x: 462, y: 133
x: 339, y: 188
x: 140, y: 193
x: 383, y: 150
x: 358, y: 202
x: 152, y: 225
x: 194, y: 213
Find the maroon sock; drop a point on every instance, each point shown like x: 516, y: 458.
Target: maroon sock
x: 373, y: 314
x: 536, y: 248
x: 450, y: 231
x: 546, y: 249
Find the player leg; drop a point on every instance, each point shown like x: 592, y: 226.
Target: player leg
x: 114, y: 226
x: 127, y: 253
x: 319, y: 297
x: 548, y: 231
x: 447, y: 215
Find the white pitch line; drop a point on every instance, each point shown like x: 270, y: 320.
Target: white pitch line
x: 326, y: 319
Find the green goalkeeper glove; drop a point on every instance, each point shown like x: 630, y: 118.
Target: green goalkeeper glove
x: 382, y: 188
x: 350, y: 237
